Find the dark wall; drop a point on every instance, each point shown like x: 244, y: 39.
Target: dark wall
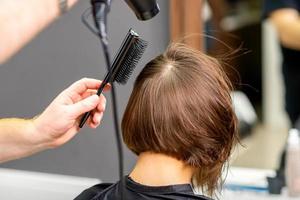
x: 62, y: 54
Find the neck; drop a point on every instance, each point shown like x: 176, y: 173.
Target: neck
x: 155, y: 169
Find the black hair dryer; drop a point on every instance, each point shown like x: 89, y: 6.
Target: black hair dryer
x: 143, y: 9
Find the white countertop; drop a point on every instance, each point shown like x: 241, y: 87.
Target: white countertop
x: 25, y: 185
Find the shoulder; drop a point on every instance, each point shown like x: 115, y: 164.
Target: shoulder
x: 272, y: 5
x: 91, y: 192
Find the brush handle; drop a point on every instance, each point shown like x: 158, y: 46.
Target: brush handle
x: 116, y: 67
x: 84, y: 118
x: 86, y: 115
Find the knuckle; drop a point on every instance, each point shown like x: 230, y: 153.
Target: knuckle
x: 87, y: 104
x: 84, y: 79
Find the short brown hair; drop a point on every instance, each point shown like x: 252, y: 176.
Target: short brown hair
x: 181, y: 106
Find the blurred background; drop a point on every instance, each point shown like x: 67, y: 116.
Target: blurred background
x: 232, y: 30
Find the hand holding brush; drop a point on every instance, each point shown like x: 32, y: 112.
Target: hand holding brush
x: 123, y: 65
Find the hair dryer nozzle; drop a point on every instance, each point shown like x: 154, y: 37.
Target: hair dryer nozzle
x: 143, y: 9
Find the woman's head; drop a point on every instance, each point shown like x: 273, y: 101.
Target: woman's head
x: 181, y: 106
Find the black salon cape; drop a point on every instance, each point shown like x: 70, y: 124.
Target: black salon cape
x: 134, y: 190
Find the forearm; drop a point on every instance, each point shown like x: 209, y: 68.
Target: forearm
x: 17, y: 139
x: 287, y: 23
x: 21, y: 137
x: 21, y: 20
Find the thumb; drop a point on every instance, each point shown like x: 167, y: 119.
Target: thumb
x: 84, y: 105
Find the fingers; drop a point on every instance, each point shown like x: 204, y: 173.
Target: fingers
x: 102, y: 100
x: 90, y: 103
x: 83, y: 106
x: 102, y: 105
x: 97, y: 114
x: 95, y: 119
x: 88, y: 93
x: 107, y: 87
x: 84, y: 84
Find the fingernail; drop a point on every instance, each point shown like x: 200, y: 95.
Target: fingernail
x: 95, y: 97
x: 100, y: 117
x: 104, y: 104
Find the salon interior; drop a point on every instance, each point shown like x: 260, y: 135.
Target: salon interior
x: 236, y: 30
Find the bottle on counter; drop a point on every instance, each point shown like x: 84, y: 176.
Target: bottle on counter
x: 293, y: 163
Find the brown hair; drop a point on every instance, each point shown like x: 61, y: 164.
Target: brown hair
x: 181, y: 106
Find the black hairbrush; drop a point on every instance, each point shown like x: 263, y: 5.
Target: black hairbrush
x: 123, y: 65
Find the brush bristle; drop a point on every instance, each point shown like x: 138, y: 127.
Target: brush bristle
x: 131, y: 59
